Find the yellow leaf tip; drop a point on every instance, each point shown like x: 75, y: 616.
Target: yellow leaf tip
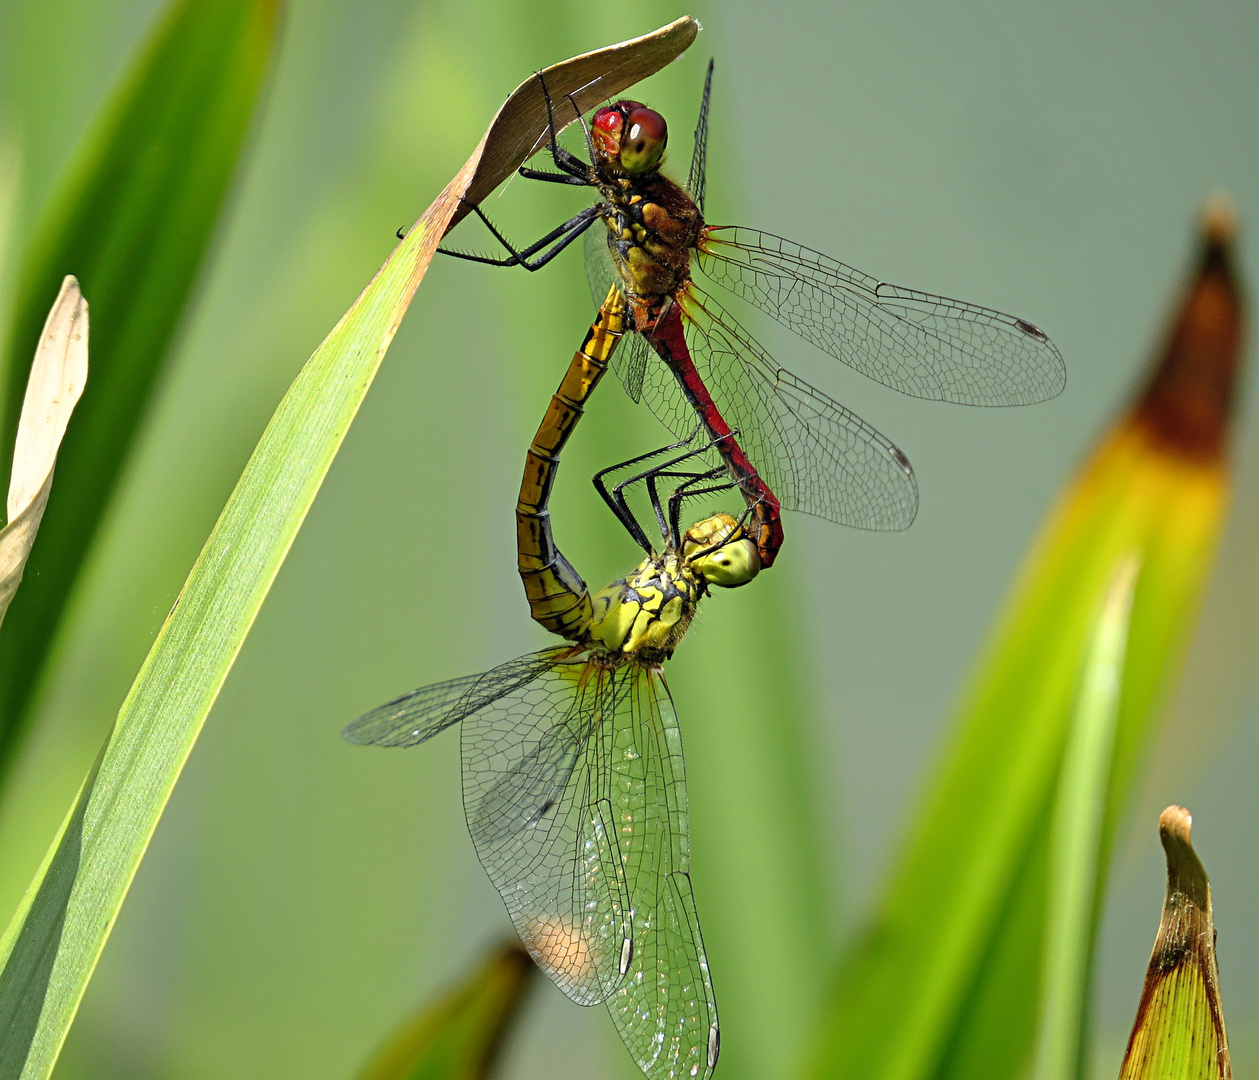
x: 1219, y: 219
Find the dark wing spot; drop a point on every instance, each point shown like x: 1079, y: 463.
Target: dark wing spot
x: 540, y: 813
x: 1030, y: 330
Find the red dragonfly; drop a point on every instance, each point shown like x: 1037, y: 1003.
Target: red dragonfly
x: 791, y: 445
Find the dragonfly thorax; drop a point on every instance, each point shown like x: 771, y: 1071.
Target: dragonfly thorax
x: 652, y: 226
x: 646, y: 614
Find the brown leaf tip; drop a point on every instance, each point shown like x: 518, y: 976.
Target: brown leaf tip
x: 1186, y: 876
x: 1175, y: 825
x: 1188, y: 401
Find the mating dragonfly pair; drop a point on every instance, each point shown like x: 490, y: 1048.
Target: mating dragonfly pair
x: 573, y: 773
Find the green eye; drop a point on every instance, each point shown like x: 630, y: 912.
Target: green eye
x: 730, y: 566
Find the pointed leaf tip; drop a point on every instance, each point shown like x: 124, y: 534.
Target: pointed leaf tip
x: 1188, y: 401
x: 460, y: 1036
x: 1179, y: 1029
x: 57, y: 377
x: 1185, y: 873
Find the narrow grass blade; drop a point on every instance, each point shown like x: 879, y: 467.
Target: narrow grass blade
x: 1076, y: 835
x: 133, y: 221
x: 460, y: 1036
x: 56, y: 381
x: 944, y: 982
x: 1179, y: 1030
x: 51, y: 947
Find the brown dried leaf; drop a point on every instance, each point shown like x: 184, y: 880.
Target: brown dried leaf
x: 58, y: 375
x: 1188, y: 400
x: 520, y: 129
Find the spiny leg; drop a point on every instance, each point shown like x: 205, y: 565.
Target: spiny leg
x: 689, y: 491
x: 564, y: 160
x: 616, y: 501
x: 617, y: 498
x: 561, y: 235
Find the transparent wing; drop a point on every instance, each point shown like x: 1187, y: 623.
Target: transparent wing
x: 419, y: 715
x: 814, y: 454
x: 630, y: 359
x: 665, y: 1009
x: 576, y: 801
x: 535, y: 792
x: 698, y: 179
x: 923, y: 345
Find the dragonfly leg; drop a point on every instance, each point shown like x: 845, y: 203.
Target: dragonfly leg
x: 616, y: 498
x: 564, y: 160
x: 671, y: 524
x: 553, y: 178
x: 585, y: 130
x: 561, y: 236
x: 576, y: 172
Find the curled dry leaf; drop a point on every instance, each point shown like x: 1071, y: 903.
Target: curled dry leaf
x: 58, y: 375
x: 1179, y: 1030
x: 519, y: 130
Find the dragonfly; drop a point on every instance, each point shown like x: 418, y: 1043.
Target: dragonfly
x: 797, y: 448
x: 573, y: 776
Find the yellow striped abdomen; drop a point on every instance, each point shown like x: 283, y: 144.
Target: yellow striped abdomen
x: 558, y: 597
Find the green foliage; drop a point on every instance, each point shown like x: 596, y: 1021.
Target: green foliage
x: 54, y: 941
x: 459, y: 1036
x: 1075, y: 838
x: 133, y: 221
x: 944, y: 982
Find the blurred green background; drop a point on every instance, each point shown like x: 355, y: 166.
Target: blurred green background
x: 302, y: 895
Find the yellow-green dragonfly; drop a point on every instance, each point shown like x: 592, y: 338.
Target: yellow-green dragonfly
x: 573, y: 776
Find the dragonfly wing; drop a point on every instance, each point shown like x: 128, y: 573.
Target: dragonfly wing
x: 698, y: 179
x: 630, y: 359
x: 923, y: 345
x: 630, y: 364
x: 665, y: 1009
x: 600, y: 268
x: 544, y: 828
x: 815, y: 455
x: 419, y: 715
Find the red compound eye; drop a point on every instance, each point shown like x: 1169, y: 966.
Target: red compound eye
x: 608, y: 120
x: 605, y: 133
x: 642, y: 145
x: 646, y: 124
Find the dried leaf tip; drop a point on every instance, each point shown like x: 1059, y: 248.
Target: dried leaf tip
x: 56, y: 381
x: 1179, y: 1029
x: 1185, y: 873
x: 1188, y: 400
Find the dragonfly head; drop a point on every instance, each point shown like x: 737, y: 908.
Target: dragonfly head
x: 719, y: 551
x: 629, y: 137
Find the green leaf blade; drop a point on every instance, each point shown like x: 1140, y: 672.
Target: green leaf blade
x: 1076, y: 834
x: 134, y: 221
